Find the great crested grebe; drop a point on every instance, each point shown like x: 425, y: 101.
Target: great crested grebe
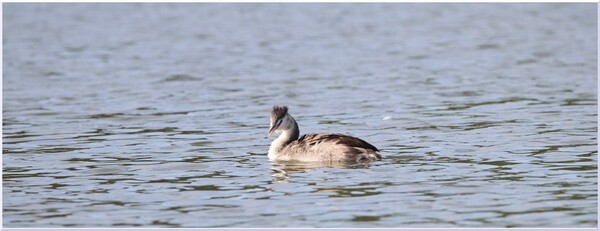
x: 331, y: 147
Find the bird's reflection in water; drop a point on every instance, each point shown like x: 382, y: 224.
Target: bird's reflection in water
x: 280, y: 170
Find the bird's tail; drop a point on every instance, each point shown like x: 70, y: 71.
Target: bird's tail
x: 368, y: 156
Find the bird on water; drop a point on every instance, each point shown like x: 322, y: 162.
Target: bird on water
x: 331, y: 147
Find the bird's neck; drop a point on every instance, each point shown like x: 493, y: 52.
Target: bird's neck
x: 294, y: 133
x: 286, y: 137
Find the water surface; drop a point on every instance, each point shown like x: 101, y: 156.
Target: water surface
x: 156, y: 115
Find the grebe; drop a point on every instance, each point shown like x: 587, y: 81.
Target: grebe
x: 331, y: 147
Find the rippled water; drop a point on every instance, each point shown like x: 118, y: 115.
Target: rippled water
x: 156, y: 115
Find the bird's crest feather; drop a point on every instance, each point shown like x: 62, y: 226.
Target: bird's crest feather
x: 278, y: 112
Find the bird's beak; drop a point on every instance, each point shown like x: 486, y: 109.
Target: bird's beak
x: 273, y: 129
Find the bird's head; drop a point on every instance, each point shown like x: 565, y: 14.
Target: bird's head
x: 280, y: 119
